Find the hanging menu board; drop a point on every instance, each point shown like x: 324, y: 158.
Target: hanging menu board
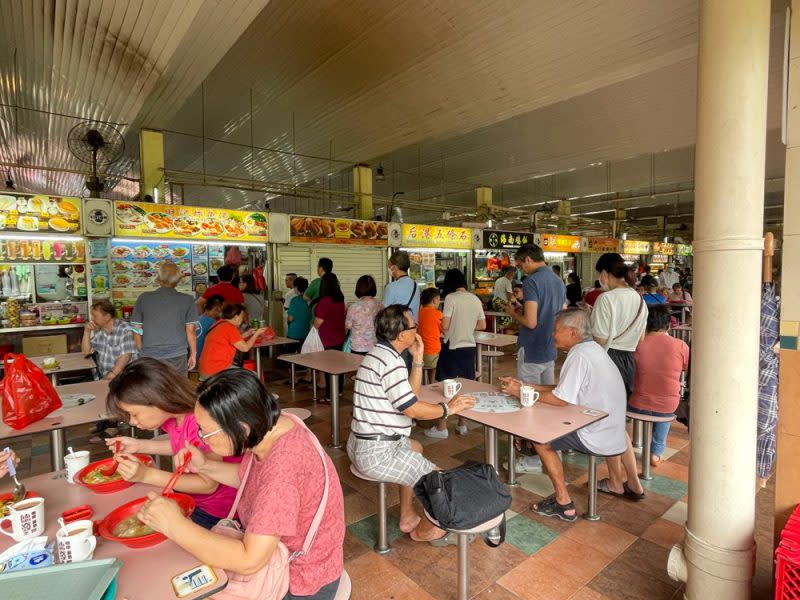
x: 550, y: 242
x: 432, y: 236
x: 134, y: 267
x: 143, y: 219
x: 322, y: 230
x: 40, y: 214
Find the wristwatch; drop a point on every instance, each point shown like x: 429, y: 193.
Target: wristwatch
x: 419, y: 365
x: 445, y: 410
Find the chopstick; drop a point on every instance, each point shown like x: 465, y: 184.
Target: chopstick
x: 178, y: 472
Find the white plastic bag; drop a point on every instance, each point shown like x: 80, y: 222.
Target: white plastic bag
x: 313, y: 342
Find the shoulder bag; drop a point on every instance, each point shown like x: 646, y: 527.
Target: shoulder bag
x: 271, y: 582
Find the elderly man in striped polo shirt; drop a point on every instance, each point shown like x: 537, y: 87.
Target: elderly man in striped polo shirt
x: 384, y: 403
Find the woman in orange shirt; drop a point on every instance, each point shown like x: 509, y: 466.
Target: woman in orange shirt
x: 224, y: 339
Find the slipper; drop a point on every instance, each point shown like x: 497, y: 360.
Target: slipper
x: 629, y: 493
x: 602, y: 486
x: 448, y: 539
x: 324, y: 400
x: 549, y: 507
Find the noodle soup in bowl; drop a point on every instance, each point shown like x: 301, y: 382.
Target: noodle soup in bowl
x: 121, y: 524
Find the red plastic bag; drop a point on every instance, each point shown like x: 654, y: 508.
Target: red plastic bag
x: 28, y: 395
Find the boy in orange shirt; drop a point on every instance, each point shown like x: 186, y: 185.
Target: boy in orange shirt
x: 429, y: 327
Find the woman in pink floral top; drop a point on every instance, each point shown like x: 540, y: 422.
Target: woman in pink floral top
x: 360, y: 318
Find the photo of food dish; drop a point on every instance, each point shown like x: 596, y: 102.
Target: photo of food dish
x: 68, y: 209
x: 59, y: 224
x: 160, y: 252
x: 200, y: 269
x: 130, y: 214
x: 216, y: 263
x: 28, y: 223
x: 141, y: 252
x: 256, y: 224
x: 95, y: 477
x: 122, y: 266
x: 179, y: 252
x: 121, y: 280
x: 234, y: 228
x: 212, y: 228
x: 131, y: 527
x: 200, y: 250
x: 121, y: 251
x: 140, y: 266
x: 37, y: 204
x: 159, y: 222
x: 7, y: 203
x: 187, y: 226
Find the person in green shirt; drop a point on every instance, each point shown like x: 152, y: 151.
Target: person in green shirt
x: 325, y: 265
x: 299, y: 313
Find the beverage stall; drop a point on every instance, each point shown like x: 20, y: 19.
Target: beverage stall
x: 434, y: 250
x: 496, y: 252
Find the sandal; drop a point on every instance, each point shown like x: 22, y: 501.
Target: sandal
x: 656, y: 461
x: 549, y: 507
x: 602, y: 486
x: 629, y: 493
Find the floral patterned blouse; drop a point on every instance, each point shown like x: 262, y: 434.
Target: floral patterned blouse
x: 360, y: 321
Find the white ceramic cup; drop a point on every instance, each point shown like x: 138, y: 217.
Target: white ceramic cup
x: 75, y: 462
x: 528, y: 396
x: 451, y: 388
x: 49, y: 361
x: 26, y: 518
x: 76, y: 542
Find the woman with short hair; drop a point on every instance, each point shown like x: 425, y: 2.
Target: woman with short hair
x: 283, y: 477
x: 360, y: 319
x: 253, y: 298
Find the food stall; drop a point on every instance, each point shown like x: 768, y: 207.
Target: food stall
x: 683, y: 256
x: 356, y: 247
x: 43, y: 283
x: 661, y: 256
x: 197, y: 239
x: 595, y: 247
x: 635, y: 252
x: 495, y: 253
x: 436, y: 249
x: 561, y: 250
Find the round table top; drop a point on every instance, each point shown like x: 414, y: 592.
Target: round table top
x: 300, y: 413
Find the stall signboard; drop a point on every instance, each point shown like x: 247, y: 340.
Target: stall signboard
x: 663, y: 248
x: 143, y: 219
x: 40, y: 214
x: 505, y: 240
x: 601, y: 245
x: 683, y: 249
x: 434, y: 236
x: 659, y: 258
x: 326, y: 230
x: 42, y: 251
x: 635, y: 247
x: 551, y: 242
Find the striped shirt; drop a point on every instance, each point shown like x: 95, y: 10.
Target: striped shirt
x: 382, y: 392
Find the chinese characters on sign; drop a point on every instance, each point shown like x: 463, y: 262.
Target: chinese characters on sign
x: 550, y: 242
x: 505, y: 240
x: 432, y: 236
x: 635, y: 247
x: 663, y: 248
x: 601, y: 245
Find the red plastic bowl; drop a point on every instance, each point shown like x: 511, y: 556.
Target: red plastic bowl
x: 111, y: 486
x: 129, y: 509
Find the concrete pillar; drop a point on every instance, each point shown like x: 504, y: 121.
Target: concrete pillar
x: 483, y: 196
x: 151, y: 164
x: 362, y: 192
x: 717, y: 558
x: 619, y: 217
x: 564, y: 210
x: 787, y: 471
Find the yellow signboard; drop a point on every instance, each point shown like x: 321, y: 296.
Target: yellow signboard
x: 550, y: 242
x: 663, y: 248
x: 433, y: 236
x: 143, y: 219
x: 635, y: 247
x: 40, y: 214
x: 323, y: 230
x: 602, y: 245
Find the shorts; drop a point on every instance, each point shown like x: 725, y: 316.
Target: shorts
x: 626, y: 365
x: 179, y: 363
x: 393, y: 462
x: 430, y: 360
x: 571, y: 441
x: 541, y: 373
x: 456, y: 363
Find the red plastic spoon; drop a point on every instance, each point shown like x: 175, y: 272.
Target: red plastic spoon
x: 111, y: 469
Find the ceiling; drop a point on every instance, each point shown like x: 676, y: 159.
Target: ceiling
x: 539, y: 100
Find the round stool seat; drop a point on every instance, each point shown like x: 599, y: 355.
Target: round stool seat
x: 490, y: 524
x: 300, y: 413
x: 360, y: 475
x: 650, y: 418
x: 492, y: 353
x: 345, y: 587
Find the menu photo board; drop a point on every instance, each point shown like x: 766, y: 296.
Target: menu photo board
x: 143, y: 219
x: 635, y: 247
x: 328, y: 230
x: 505, y: 240
x: 434, y: 236
x: 40, y: 214
x: 663, y: 248
x: 550, y: 242
x: 601, y: 245
x: 683, y: 249
x: 134, y: 266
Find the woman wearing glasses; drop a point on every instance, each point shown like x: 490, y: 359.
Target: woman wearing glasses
x: 150, y: 395
x: 285, y: 480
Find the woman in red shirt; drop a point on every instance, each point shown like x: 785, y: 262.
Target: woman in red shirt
x: 660, y: 360
x: 223, y: 340
x: 281, y: 493
x: 329, y: 319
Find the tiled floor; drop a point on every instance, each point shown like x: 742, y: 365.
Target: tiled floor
x: 622, y: 556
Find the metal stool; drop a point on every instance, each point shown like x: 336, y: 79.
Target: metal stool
x: 345, y: 587
x: 647, y: 421
x: 591, y: 512
x: 300, y: 413
x: 463, y: 549
x: 382, y: 547
x: 491, y: 355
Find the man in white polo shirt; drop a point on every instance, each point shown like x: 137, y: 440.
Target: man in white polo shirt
x: 588, y: 378
x: 384, y: 404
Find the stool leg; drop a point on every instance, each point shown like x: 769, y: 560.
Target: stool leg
x: 512, y: 460
x: 293, y: 365
x: 490, y: 445
x: 591, y: 515
x: 463, y: 566
x: 491, y: 369
x: 382, y: 547
x: 637, y: 433
x: 648, y: 440
x: 314, y: 382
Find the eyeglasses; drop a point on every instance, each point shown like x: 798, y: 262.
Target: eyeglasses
x: 205, y: 436
x: 407, y: 328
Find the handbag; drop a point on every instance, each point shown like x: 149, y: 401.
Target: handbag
x: 348, y: 343
x: 270, y: 582
x: 28, y: 394
x: 631, y: 324
x: 464, y: 497
x: 313, y: 342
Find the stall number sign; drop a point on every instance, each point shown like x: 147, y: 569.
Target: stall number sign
x: 432, y: 236
x: 635, y: 247
x: 602, y: 245
x: 550, y: 242
x: 505, y: 240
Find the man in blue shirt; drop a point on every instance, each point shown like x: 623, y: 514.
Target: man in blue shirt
x: 544, y: 296
x: 402, y: 290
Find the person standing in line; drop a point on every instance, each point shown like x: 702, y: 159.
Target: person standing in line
x: 574, y: 291
x: 165, y: 322
x: 288, y: 281
x: 299, y: 314
x: 557, y: 270
x: 461, y: 318
x: 430, y: 330
x: 329, y: 316
x: 253, y: 299
x: 402, y: 289
x: 225, y: 288
x: 324, y: 266
x: 360, y: 319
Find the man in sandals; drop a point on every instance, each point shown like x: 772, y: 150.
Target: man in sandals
x: 588, y: 378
